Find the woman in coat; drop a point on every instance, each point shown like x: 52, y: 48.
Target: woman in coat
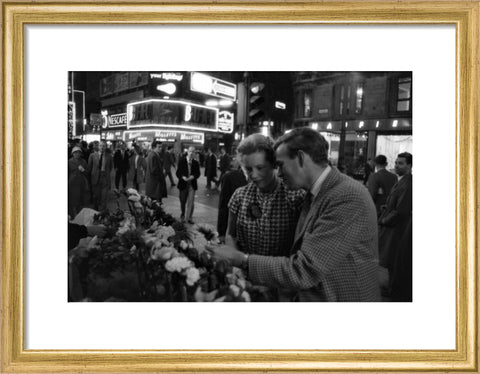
x: 77, y: 182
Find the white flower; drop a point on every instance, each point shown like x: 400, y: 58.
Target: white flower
x: 163, y: 253
x: 193, y: 275
x: 165, y: 232
x: 138, y: 205
x: 133, y: 249
x: 242, y: 283
x: 134, y: 198
x: 235, y: 290
x: 183, y: 244
x: 178, y: 264
x: 246, y: 296
x: 132, y: 191
x: 122, y: 230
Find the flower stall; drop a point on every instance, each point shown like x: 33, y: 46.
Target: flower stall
x: 147, y: 255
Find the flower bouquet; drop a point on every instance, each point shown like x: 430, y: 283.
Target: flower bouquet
x: 147, y: 255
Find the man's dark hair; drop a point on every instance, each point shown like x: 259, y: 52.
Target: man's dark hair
x: 407, y: 156
x: 306, y: 140
x: 381, y: 160
x: 155, y: 143
x: 169, y: 147
x: 258, y: 143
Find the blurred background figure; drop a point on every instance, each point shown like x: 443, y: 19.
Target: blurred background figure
x: 187, y: 173
x: 100, y: 165
x: 233, y: 179
x: 210, y: 168
x: 77, y: 182
x: 137, y: 168
x: 169, y: 162
x: 121, y: 163
x: 380, y: 183
x: 225, y: 163
x: 394, y: 236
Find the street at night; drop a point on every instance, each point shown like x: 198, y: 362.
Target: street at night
x: 240, y: 186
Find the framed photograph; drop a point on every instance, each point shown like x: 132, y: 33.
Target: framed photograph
x: 424, y: 55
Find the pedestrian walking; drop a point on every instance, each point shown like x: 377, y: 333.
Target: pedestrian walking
x: 155, y: 186
x: 137, y: 168
x: 188, y: 172
x: 210, y: 168
x: 169, y: 163
x: 121, y: 163
x: 100, y: 165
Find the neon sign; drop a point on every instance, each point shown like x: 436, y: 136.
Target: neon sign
x: 167, y: 76
x: 165, y: 136
x: 225, y: 121
x: 172, y: 113
x: 116, y: 120
x: 213, y: 86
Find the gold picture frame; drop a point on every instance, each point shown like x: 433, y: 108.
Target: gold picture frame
x: 463, y: 14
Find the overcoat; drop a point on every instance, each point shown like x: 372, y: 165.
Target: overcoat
x: 155, y: 185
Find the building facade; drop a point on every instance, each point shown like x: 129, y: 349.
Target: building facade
x: 177, y: 108
x: 361, y: 114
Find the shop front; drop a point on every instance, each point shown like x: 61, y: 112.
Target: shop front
x: 353, y: 144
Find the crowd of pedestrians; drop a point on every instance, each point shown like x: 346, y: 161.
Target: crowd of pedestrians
x: 295, y: 223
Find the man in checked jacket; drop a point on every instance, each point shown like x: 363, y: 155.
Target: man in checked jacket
x: 335, y: 252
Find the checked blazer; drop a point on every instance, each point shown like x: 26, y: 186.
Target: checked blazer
x: 335, y: 253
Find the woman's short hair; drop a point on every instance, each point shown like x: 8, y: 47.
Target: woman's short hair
x: 258, y: 143
x: 307, y: 140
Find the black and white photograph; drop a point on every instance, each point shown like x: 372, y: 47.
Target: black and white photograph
x: 240, y: 186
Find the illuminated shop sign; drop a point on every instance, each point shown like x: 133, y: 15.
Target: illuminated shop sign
x: 116, y: 120
x: 112, y: 135
x: 212, y: 86
x: 171, y: 113
x: 167, y: 76
x: 225, y: 121
x: 165, y: 136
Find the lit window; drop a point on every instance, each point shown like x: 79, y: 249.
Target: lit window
x: 359, y: 99
x: 404, y: 94
x: 307, y: 104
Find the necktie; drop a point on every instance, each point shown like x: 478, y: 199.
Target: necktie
x: 189, y: 167
x: 303, y: 214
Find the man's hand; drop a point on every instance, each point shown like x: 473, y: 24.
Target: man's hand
x: 96, y: 230
x: 225, y: 252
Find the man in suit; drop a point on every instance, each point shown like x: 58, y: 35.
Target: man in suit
x: 155, y: 186
x: 121, y: 163
x: 394, y: 222
x: 380, y: 183
x: 334, y: 256
x: 187, y: 173
x: 100, y: 164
